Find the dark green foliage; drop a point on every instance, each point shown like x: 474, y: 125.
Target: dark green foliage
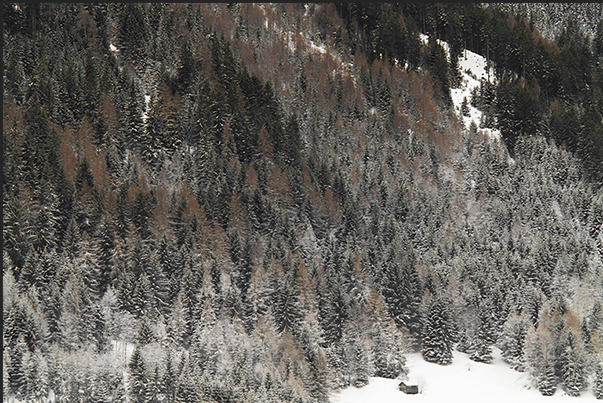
x: 401, y: 292
x: 390, y: 36
x: 286, y: 309
x: 547, y: 381
x: 486, y: 334
x: 512, y: 340
x: 138, y: 377
x: 17, y: 382
x: 333, y: 313
x: 145, y: 335
x: 438, y: 65
x: 572, y: 365
x: 157, y: 222
x: 19, y: 327
x: 516, y: 112
x: 133, y: 31
x: 598, y: 385
x: 438, y: 332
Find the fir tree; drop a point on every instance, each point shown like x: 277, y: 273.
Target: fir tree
x: 333, y: 313
x: 401, y: 293
x: 437, y: 332
x: 137, y: 377
x: 484, y: 339
x: 513, y: 340
x: 17, y: 381
x: 547, y: 380
x: 145, y: 334
x: 573, y: 369
x: 286, y: 309
x: 598, y: 384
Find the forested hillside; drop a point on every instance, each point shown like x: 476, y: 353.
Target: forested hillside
x: 270, y: 202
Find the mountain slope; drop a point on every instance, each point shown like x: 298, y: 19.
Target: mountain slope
x: 272, y: 202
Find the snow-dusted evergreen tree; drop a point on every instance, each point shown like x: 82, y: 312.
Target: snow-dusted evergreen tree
x: 485, y: 338
x: 547, y: 380
x: 137, y: 377
x: 573, y: 365
x: 333, y: 312
x: 388, y: 343
x: 401, y: 292
x: 438, y: 332
x: 16, y: 369
x: 540, y: 353
x: 513, y: 338
x: 285, y: 308
x: 598, y: 384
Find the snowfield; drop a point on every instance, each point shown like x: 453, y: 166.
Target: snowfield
x: 463, y: 381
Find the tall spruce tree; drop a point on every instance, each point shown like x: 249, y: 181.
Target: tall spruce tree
x: 401, y: 293
x: 138, y: 378
x: 598, y: 384
x: 437, y: 332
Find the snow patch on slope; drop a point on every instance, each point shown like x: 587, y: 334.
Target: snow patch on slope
x: 474, y: 70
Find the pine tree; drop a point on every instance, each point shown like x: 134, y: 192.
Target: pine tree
x: 137, y: 377
x: 485, y: 338
x: 547, y: 380
x: 104, y: 251
x: 286, y: 308
x: 598, y: 384
x: 437, y: 332
x: 93, y: 329
x: 87, y: 263
x: 401, y: 293
x: 145, y: 334
x: 573, y: 369
x: 358, y: 361
x: 17, y: 381
x: 540, y: 353
x: 333, y: 313
x: 513, y: 340
x: 388, y: 343
x: 169, y: 379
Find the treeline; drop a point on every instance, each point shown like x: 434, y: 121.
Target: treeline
x: 178, y: 227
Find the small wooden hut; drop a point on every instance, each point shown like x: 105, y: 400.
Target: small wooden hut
x: 408, y: 389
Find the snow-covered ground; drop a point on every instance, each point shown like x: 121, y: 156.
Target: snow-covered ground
x: 463, y: 381
x: 473, y: 69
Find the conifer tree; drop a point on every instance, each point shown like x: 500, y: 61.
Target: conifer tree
x: 169, y: 379
x: 437, y: 332
x: 573, y: 375
x: 540, y: 353
x: 598, y: 385
x: 401, y: 292
x: 286, y: 309
x: 333, y: 313
x: 137, y: 377
x: 513, y: 340
x: 485, y: 338
x: 17, y: 381
x: 547, y: 380
x: 145, y: 334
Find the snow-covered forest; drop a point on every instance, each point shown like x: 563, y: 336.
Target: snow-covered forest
x: 277, y: 202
